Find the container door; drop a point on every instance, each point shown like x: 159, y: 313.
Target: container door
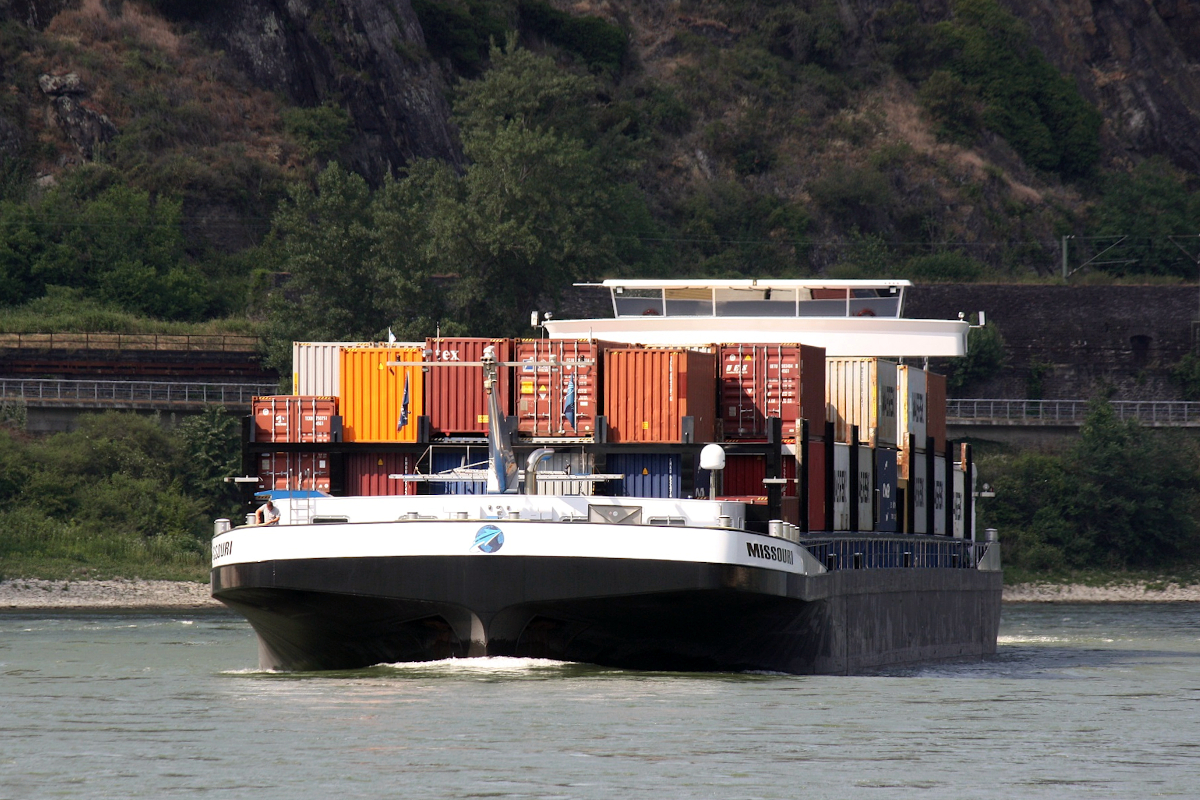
x: 865, y: 489
x: 841, y: 487
x: 939, y: 495
x: 960, y: 480
x: 918, y: 485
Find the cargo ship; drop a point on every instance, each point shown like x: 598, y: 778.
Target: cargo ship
x: 787, y: 502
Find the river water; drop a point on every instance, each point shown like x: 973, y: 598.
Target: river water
x: 1080, y: 702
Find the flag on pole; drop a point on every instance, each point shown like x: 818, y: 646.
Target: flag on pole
x: 403, y: 421
x: 391, y: 337
x: 568, y: 410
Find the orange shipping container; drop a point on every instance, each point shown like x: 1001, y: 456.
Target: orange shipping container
x: 293, y: 471
x: 935, y: 410
x: 455, y: 401
x: 294, y: 418
x: 380, y: 402
x: 558, y: 386
x: 367, y: 474
x: 648, y: 392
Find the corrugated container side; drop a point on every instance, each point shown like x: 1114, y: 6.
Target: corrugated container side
x: 367, y: 474
x: 918, y: 486
x: 647, y: 474
x: 548, y: 377
x: 290, y: 418
x: 648, y: 392
x: 443, y: 459
x: 841, y: 487
x: 865, y: 488
x: 760, y: 381
x: 939, y: 494
x: 959, y: 483
x: 935, y: 409
x: 373, y: 394
x: 885, y: 472
x: 861, y: 391
x: 910, y: 389
x: 454, y: 399
x: 816, y: 486
x: 744, y: 474
x: 316, y: 367
x: 812, y: 386
x: 571, y: 464
x: 293, y: 471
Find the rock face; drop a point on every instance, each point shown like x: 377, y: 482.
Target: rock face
x: 85, y: 127
x: 368, y: 56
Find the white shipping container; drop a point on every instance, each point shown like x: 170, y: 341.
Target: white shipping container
x: 316, y: 366
x: 918, y: 485
x: 552, y: 468
x: 939, y: 495
x: 841, y: 487
x: 862, y: 392
x: 911, y: 392
x: 865, y: 489
x: 960, y: 482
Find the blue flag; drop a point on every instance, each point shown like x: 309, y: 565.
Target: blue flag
x: 403, y: 406
x: 568, y: 411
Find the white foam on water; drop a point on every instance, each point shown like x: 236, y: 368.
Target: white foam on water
x: 486, y: 665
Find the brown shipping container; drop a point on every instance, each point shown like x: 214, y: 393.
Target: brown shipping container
x: 367, y: 474
x: 373, y: 393
x: 293, y: 471
x: 777, y: 380
x: 551, y: 371
x: 648, y: 392
x: 816, y: 486
x: 454, y: 398
x: 935, y: 410
x: 293, y: 418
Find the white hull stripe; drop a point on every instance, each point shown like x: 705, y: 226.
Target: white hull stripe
x: 506, y: 538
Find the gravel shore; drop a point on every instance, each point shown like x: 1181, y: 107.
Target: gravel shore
x: 180, y: 595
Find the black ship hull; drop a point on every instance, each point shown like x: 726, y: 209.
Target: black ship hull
x: 347, y: 613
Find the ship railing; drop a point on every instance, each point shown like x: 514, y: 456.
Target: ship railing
x: 1069, y: 413
x: 875, y: 551
x: 130, y: 394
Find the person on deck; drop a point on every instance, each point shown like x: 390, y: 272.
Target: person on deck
x: 267, y: 514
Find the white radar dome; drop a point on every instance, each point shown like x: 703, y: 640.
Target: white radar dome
x: 712, y: 457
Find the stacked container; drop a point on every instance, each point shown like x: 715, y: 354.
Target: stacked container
x: 649, y: 392
x: 316, y: 367
x: 841, y: 487
x: 558, y: 386
x: 308, y: 471
x: 381, y: 399
x: 647, y: 474
x: 444, y: 459
x: 912, y: 393
x: 761, y: 381
x: 744, y: 476
x: 939, y: 495
x: 565, y: 464
x: 862, y: 392
x: 367, y: 474
x: 454, y: 399
x: 292, y: 418
x: 888, y: 515
x: 935, y: 407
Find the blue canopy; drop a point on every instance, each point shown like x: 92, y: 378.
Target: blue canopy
x: 288, y: 494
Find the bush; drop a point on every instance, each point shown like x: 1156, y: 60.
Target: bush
x: 460, y: 31
x: 599, y: 43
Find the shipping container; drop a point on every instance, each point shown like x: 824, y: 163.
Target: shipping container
x: 292, y: 418
x: 367, y: 474
x: 886, y: 490
x: 762, y: 381
x: 317, y: 367
x: 841, y: 487
x: 939, y: 495
x: 911, y: 391
x: 444, y: 459
x: 935, y: 410
x: 649, y: 391
x: 647, y: 474
x: 380, y: 399
x: 744, y: 474
x: 862, y: 392
x: 816, y: 486
x: 454, y: 399
x: 918, y: 487
x: 959, y: 482
x: 562, y: 464
x: 864, y: 488
x: 558, y: 386
x: 293, y: 471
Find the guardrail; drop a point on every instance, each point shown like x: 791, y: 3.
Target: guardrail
x: 1069, y: 413
x: 212, y: 343
x: 37, y: 393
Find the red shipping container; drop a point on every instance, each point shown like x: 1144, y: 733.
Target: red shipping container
x: 558, y: 386
x: 454, y: 397
x: 367, y: 474
x: 648, y: 392
x: 293, y: 418
x: 935, y: 410
x: 744, y: 475
x: 816, y: 486
x: 293, y: 471
x: 778, y: 380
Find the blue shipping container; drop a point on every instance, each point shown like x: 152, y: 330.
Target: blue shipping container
x: 445, y: 459
x: 885, y: 484
x: 647, y: 475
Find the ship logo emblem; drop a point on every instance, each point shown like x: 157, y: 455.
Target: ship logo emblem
x: 489, y: 539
